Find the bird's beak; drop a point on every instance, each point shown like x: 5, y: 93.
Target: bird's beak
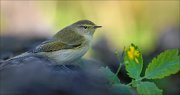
x: 97, y: 27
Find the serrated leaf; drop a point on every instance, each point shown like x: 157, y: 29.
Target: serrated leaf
x: 121, y: 89
x: 109, y: 75
x: 133, y: 69
x: 148, y: 88
x: 133, y: 66
x: 165, y: 64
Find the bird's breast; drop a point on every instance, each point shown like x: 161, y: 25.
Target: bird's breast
x: 66, y: 55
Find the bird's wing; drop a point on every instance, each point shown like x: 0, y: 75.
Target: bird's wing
x: 54, y: 45
x: 69, y: 36
x: 64, y: 39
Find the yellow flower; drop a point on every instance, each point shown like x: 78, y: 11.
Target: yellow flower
x: 133, y: 54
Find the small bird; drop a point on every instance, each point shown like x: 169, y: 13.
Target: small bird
x: 69, y: 44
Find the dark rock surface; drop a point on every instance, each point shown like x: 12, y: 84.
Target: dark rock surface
x: 36, y: 75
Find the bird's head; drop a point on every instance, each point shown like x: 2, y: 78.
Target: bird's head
x: 84, y: 27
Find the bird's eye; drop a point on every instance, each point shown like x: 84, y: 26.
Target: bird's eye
x: 85, y: 27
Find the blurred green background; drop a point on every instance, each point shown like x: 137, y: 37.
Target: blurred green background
x: 124, y: 22
x: 152, y: 25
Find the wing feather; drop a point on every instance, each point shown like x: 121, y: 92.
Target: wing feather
x: 64, y: 39
x: 54, y: 45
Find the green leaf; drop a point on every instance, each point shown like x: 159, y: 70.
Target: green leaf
x: 148, y: 88
x: 109, y: 75
x: 135, y: 83
x: 165, y: 64
x: 132, y: 67
x: 121, y: 89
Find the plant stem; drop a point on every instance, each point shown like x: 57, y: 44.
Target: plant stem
x: 119, y: 67
x: 129, y: 84
x: 136, y: 80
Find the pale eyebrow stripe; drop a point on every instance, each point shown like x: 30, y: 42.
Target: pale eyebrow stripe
x: 86, y: 25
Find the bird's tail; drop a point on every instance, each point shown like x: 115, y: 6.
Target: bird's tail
x: 19, y: 56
